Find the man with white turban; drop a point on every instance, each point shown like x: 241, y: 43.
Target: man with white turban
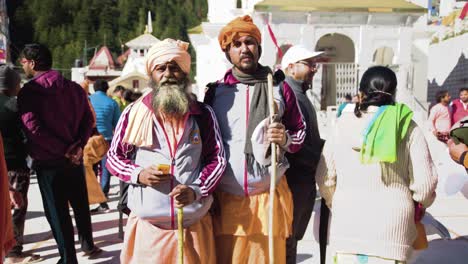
x: 167, y: 126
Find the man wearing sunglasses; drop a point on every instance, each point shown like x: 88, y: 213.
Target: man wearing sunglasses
x: 299, y: 64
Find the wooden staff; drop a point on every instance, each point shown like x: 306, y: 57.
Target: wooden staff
x: 180, y: 236
x: 271, y: 104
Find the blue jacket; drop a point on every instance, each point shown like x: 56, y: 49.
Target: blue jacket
x: 107, y: 113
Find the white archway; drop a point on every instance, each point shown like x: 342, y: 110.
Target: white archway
x: 383, y: 56
x: 337, y: 47
x: 339, y: 74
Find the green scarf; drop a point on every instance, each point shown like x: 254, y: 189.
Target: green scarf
x: 385, y: 131
x: 259, y: 104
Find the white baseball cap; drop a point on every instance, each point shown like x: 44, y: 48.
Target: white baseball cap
x: 297, y: 53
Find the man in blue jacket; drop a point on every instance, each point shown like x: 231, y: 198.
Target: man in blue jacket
x: 107, y: 115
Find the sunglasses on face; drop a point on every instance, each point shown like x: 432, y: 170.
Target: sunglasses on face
x: 309, y: 64
x: 24, y: 61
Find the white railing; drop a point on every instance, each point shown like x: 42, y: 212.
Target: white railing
x: 346, y: 80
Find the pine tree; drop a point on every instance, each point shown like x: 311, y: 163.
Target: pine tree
x: 64, y: 25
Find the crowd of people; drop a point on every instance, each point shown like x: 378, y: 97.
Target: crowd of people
x: 213, y: 159
x: 446, y: 115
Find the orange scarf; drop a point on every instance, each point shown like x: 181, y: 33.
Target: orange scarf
x: 7, y: 240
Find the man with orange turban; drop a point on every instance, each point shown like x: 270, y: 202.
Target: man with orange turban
x: 240, y: 102
x: 167, y: 126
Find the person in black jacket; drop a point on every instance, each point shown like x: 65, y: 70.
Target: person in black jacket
x: 300, y: 67
x: 15, y: 157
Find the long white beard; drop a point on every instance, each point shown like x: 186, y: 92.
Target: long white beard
x: 171, y: 100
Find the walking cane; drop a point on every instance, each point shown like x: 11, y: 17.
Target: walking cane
x: 180, y: 236
x: 271, y: 104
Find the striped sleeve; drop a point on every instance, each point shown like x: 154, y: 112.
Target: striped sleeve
x: 213, y: 155
x: 293, y: 120
x: 120, y: 155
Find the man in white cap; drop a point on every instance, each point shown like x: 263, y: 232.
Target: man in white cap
x: 299, y: 64
x: 167, y: 126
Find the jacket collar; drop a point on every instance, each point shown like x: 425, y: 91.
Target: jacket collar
x: 229, y: 78
x: 297, y: 86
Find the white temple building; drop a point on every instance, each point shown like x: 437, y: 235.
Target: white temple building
x: 134, y: 75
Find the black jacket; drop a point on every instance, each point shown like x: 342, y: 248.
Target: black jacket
x: 12, y: 134
x: 303, y: 163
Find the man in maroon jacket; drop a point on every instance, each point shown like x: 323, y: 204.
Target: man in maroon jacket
x: 460, y: 106
x: 57, y: 122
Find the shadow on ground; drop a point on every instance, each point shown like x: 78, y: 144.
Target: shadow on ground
x: 100, y: 241
x: 453, y: 251
x: 34, y: 214
x: 303, y: 257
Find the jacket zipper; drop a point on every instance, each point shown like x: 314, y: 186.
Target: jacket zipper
x: 173, y: 154
x: 172, y: 187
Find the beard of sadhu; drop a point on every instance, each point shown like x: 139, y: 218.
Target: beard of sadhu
x: 161, y: 151
x: 170, y: 98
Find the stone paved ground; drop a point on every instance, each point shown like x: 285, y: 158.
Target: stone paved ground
x: 450, y: 211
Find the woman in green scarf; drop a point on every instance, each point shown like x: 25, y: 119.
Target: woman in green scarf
x: 373, y: 169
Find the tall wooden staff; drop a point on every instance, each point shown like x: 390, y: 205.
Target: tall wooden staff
x: 271, y: 104
x: 180, y: 236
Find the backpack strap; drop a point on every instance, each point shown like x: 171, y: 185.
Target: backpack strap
x: 210, y: 92
x: 198, y: 119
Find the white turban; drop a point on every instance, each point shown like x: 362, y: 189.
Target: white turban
x: 166, y: 51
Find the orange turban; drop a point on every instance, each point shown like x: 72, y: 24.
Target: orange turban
x: 239, y: 27
x: 166, y: 51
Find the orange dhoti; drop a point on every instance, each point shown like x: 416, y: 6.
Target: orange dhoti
x: 241, y: 228
x: 146, y: 243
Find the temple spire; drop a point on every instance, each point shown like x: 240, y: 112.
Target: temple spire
x: 149, y: 26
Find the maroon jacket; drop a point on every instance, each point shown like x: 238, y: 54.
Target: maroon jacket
x: 458, y: 111
x: 55, y: 114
